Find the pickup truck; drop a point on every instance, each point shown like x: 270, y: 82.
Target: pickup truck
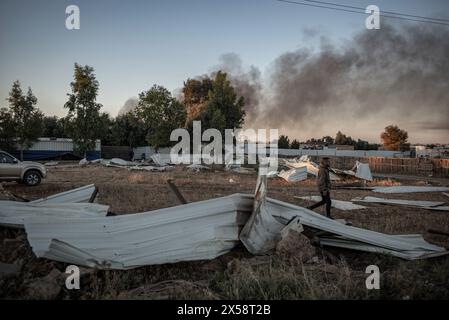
x: 27, y: 172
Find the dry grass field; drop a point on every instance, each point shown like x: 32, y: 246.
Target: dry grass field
x: 295, y: 270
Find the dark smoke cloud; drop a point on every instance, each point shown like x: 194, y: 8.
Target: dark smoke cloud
x: 247, y: 82
x: 397, y: 74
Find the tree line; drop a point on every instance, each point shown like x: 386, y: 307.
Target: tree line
x: 393, y: 138
x: 212, y: 100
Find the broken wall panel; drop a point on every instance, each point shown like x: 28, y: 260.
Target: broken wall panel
x: 82, y: 194
x: 197, y: 231
x: 15, y: 214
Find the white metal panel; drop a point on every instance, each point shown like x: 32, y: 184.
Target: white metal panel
x: 82, y: 194
x: 410, y: 189
x: 201, y: 230
x: 400, y: 202
x: 337, y: 204
x: 15, y: 214
x: 262, y: 231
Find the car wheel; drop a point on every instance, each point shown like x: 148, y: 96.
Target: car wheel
x: 32, y: 178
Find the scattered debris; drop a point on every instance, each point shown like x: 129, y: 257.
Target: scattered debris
x: 161, y: 160
x: 195, y: 231
x: 148, y: 168
x: 439, y: 208
x: 176, y: 191
x: 82, y: 194
x: 363, y: 171
x: 121, y: 162
x: 294, y: 175
x: 337, y: 204
x: 262, y: 231
x: 400, y: 202
x: 204, y: 230
x: 311, y: 167
x: 409, y: 189
x: 83, y: 162
x: 197, y: 167
x: 65, y: 205
x: 15, y: 214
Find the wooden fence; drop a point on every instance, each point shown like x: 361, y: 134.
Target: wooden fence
x: 402, y: 166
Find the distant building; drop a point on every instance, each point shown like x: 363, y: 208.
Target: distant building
x: 340, y: 147
x: 52, y: 148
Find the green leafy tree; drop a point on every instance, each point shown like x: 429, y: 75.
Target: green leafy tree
x: 283, y: 142
x: 196, y: 96
x: 26, y: 117
x: 295, y: 144
x: 160, y: 114
x: 53, y: 127
x: 394, y: 138
x: 7, y: 131
x: 128, y: 130
x: 342, y: 139
x: 83, y: 120
x: 222, y: 109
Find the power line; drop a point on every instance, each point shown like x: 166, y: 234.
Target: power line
x: 351, y: 9
x: 389, y: 12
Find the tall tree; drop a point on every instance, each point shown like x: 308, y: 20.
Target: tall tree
x: 342, y: 139
x: 160, y: 114
x: 7, y: 130
x: 283, y: 142
x: 394, y: 138
x: 196, y: 96
x: 127, y: 130
x: 223, y: 98
x: 53, y: 127
x: 26, y: 117
x: 295, y: 144
x: 83, y: 120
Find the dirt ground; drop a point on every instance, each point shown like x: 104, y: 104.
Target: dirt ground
x: 295, y: 270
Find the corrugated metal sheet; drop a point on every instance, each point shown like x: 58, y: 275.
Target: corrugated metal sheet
x: 410, y: 189
x: 407, y: 246
x: 400, y: 202
x: 294, y: 175
x: 15, y: 214
x: 203, y: 230
x: 82, y: 194
x: 337, y: 204
x: 196, y: 231
x: 262, y: 231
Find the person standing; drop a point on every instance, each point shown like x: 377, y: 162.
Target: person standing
x: 324, y: 187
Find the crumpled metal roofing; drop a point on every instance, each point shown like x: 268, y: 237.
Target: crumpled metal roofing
x: 401, y: 202
x: 64, y: 205
x: 196, y: 231
x: 337, y: 204
x: 203, y: 230
x: 77, y: 195
x: 410, y: 189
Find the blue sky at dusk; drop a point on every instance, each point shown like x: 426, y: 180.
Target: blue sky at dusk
x: 135, y: 44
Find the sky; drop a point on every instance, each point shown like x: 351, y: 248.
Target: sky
x: 135, y: 44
